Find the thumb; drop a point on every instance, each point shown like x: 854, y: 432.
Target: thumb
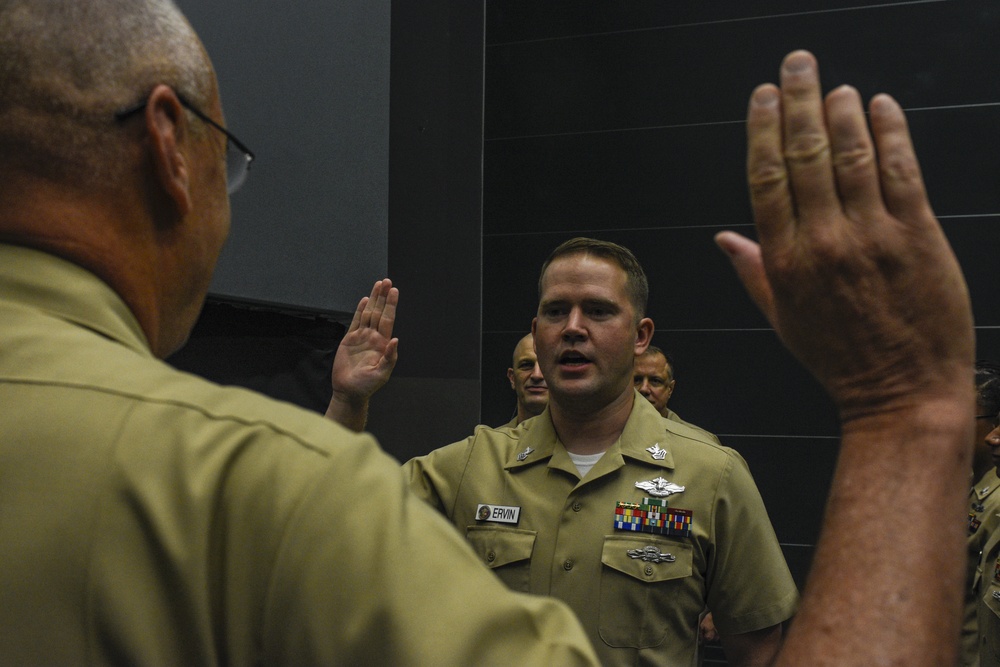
x: 745, y: 257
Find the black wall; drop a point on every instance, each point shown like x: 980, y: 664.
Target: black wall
x: 624, y: 121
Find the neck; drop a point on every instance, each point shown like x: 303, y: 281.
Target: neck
x: 591, y: 431
x: 88, y: 230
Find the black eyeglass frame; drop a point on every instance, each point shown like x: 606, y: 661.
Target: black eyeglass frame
x: 248, y: 154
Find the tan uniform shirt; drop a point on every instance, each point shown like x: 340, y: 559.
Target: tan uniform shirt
x: 674, y: 417
x: 983, y: 517
x: 521, y: 503
x: 986, y: 581
x: 148, y: 517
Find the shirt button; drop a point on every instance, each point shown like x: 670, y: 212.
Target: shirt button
x: 577, y: 507
x: 491, y: 556
x: 568, y: 565
x: 649, y: 570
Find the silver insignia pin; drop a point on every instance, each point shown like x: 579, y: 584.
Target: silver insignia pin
x: 651, y: 555
x: 658, y: 452
x: 659, y: 487
x: 524, y: 455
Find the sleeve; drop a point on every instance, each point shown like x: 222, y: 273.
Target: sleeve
x: 749, y: 585
x: 369, y: 574
x: 436, y: 477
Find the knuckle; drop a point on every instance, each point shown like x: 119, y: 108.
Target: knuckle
x: 807, y: 148
x: 767, y: 176
x: 854, y: 159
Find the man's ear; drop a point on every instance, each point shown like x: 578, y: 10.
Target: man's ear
x: 643, y: 335
x: 510, y: 376
x: 170, y: 141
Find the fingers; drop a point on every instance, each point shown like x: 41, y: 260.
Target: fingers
x: 746, y: 258
x: 379, y: 309
x: 388, y: 313
x: 767, y: 175
x: 806, y: 145
x: 358, y: 314
x: 853, y: 154
x: 902, y: 184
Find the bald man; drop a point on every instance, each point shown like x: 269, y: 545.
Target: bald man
x: 527, y: 382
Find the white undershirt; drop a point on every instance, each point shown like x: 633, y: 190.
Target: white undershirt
x: 584, y: 462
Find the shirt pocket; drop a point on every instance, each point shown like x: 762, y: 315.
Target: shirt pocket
x: 644, y: 596
x: 506, y: 551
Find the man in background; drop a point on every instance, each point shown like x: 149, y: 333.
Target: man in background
x: 527, y: 382
x: 654, y: 379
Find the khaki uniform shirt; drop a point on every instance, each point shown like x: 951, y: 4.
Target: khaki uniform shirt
x: 148, y: 517
x: 674, y: 417
x: 984, y: 505
x: 986, y: 580
x: 518, y: 498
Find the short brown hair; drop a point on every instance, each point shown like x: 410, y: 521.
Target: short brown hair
x: 635, y: 278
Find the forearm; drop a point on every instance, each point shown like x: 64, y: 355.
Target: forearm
x: 752, y: 649
x: 886, y: 581
x: 351, y: 413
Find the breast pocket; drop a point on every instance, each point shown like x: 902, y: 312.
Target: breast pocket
x: 507, y: 551
x: 644, y: 582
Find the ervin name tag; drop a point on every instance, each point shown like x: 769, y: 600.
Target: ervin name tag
x: 498, y: 513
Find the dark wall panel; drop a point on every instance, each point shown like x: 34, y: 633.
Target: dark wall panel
x: 703, y: 72
x: 306, y: 86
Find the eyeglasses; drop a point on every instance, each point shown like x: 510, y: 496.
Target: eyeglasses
x: 995, y: 418
x: 238, y: 156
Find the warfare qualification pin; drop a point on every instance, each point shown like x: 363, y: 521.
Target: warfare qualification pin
x: 659, y: 487
x: 651, y: 555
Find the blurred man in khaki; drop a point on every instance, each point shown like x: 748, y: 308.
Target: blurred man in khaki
x: 527, y: 382
x: 148, y: 517
x: 654, y: 379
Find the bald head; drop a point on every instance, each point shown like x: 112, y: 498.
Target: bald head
x: 526, y: 380
x: 138, y: 200
x: 66, y: 67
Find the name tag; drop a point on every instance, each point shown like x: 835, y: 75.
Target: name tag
x: 498, y: 513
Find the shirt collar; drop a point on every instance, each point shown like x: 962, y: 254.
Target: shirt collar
x: 69, y: 292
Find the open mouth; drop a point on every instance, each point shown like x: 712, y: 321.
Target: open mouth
x: 573, y: 359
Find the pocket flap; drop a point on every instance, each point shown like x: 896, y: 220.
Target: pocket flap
x: 648, y: 558
x: 501, y: 546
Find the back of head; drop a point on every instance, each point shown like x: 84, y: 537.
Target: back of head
x: 66, y: 68
x: 636, y: 282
